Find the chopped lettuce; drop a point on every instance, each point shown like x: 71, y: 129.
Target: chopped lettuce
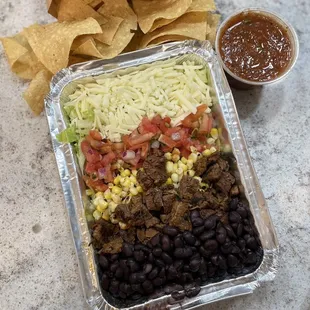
x: 68, y: 135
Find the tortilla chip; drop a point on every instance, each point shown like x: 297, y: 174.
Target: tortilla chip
x: 150, y: 10
x: 77, y: 59
x: 168, y: 38
x: 37, y: 90
x: 190, y: 25
x: 134, y: 44
x: 125, y: 32
x: 51, y: 43
x: 196, y: 6
x: 213, y: 22
x: 85, y: 46
x: 95, y: 4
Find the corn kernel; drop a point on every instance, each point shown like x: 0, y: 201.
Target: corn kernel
x: 125, y: 173
x: 175, y: 167
x: 107, y: 194
x: 176, y: 151
x: 134, y: 172
x: 206, y: 152
x: 90, y: 192
x: 190, y: 163
x: 208, y: 111
x: 191, y: 173
x: 204, y: 185
x: 193, y: 149
x: 210, y: 141
x: 214, y: 133
x: 175, y: 157
x: 89, y: 217
x: 106, y: 215
x: 116, y: 190
x: 168, y: 156
x: 97, y: 215
x: 134, y: 191
x: 133, y: 179
x: 123, y: 194
x: 198, y: 178
x: 110, y: 185
x: 126, y: 189
x: 126, y: 183
x: 116, y: 198
x: 99, y: 194
x: 174, y: 178
x: 193, y: 157
x: 122, y: 225
x: 183, y: 166
x: 169, y: 181
x: 226, y: 148
x: 112, y: 206
x: 117, y: 180
x: 140, y: 189
x: 169, y: 166
x: 179, y: 171
x: 102, y: 206
x: 184, y: 160
x: 213, y: 149
x: 97, y: 200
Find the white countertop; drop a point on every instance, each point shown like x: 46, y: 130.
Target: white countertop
x: 38, y: 267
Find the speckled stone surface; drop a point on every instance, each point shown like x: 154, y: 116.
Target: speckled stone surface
x: 38, y: 267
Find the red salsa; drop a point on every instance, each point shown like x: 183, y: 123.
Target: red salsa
x: 255, y: 47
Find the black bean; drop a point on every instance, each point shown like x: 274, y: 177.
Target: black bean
x: 234, y: 204
x: 103, y: 262
x: 170, y: 231
x: 211, y: 245
x: 123, y: 287
x: 119, y: 273
x: 211, y: 270
x: 162, y: 273
x: 203, y: 267
x: 189, y: 238
x: 194, y: 214
x: 167, y: 258
x: 230, y: 232
x: 105, y: 281
x: 127, y: 250
x: 207, y: 235
x: 194, y: 264
x: 114, y: 257
x: 159, y: 262
x: 182, y: 252
x: 251, y: 258
x: 114, y: 266
x: 242, y: 211
x: 197, y: 243
x: 114, y: 286
x: 239, y: 230
x: 133, y: 278
x: 222, y: 262
x: 153, y: 273
x: 172, y: 272
x: 178, y: 241
x: 186, y: 268
x: 246, y: 222
x: 197, y: 221
x: 147, y: 268
x: 205, y: 253
x: 133, y: 265
x: 139, y: 256
x: 178, y: 295
x: 232, y: 260
x: 198, y: 230
x: 210, y: 222
x: 157, y: 252
x: 168, y: 289
x: 155, y: 240
x: 248, y: 230
x: 136, y: 296
x: 158, y: 281
x: 141, y: 277
x: 151, y: 258
x: 192, y: 292
x: 234, y: 217
x: 226, y: 248
x: 178, y: 264
x: 252, y: 243
x: 122, y: 295
x: 186, y: 277
x: 166, y: 245
x: 221, y: 235
x: 142, y: 247
x: 235, y: 250
x: 148, y: 286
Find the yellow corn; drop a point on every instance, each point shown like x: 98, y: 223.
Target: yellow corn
x: 198, y: 178
x: 116, y: 198
x: 183, y: 166
x: 168, y: 156
x: 140, y: 189
x: 193, y: 157
x: 123, y: 194
x: 214, y: 133
x: 102, y: 205
x: 179, y: 171
x: 99, y: 194
x: 169, y: 181
x: 107, y: 194
x: 97, y: 215
x: 210, y: 141
x: 125, y: 173
x: 191, y: 173
x: 134, y: 191
x: 169, y: 166
x: 126, y: 183
x: 206, y: 152
x: 176, y: 151
x: 90, y: 192
x: 213, y: 149
x: 175, y: 157
x: 184, y: 160
x: 110, y: 185
x: 174, y: 178
x: 122, y: 225
x: 133, y: 179
x: 175, y: 167
x: 106, y: 215
x: 112, y: 206
x: 134, y: 172
x: 117, y: 180
x: 116, y: 190
x: 190, y: 163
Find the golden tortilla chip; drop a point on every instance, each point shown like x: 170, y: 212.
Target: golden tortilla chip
x: 168, y: 38
x: 125, y: 32
x: 134, y: 44
x: 85, y: 46
x: 190, y: 25
x: 213, y: 22
x: 95, y: 4
x: 77, y: 59
x: 37, y: 90
x: 148, y: 11
x: 51, y: 43
x: 196, y: 6
x: 52, y: 7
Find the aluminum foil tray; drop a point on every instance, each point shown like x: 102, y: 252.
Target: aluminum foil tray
x: 64, y: 83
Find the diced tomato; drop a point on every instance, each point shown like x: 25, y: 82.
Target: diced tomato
x: 147, y: 126
x: 90, y: 168
x: 140, y: 139
x: 184, y: 152
x: 125, y: 140
x: 108, y: 174
x: 91, y: 155
x: 206, y: 124
x: 108, y: 159
x: 95, y: 134
x: 118, y: 147
x: 134, y: 162
x: 167, y: 141
x: 145, y: 149
x: 162, y: 123
x: 172, y: 130
x: 106, y: 148
x: 95, y: 144
x: 166, y: 148
x: 190, y: 121
x: 97, y: 185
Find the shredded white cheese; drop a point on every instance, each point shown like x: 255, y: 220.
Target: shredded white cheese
x: 115, y: 105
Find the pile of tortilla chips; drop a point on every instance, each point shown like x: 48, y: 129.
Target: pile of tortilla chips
x: 92, y: 29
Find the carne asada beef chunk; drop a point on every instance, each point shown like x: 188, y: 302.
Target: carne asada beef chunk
x: 188, y: 187
x: 169, y: 197
x: 144, y: 235
x: 153, y: 199
x: 112, y: 247
x: 155, y: 168
x: 122, y: 213
x: 144, y: 180
x: 235, y: 191
x: 224, y: 165
x: 128, y: 235
x: 213, y: 174
x: 203, y: 163
x: 225, y: 182
x: 204, y: 199
x: 151, y: 222
x: 180, y: 216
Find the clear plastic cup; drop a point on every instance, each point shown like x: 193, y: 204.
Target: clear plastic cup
x: 244, y: 83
